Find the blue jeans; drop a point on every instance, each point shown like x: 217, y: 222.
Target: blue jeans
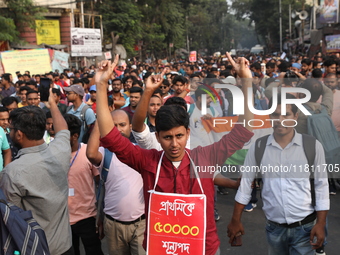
x: 289, y: 241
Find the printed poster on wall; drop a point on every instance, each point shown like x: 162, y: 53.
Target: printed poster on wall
x: 47, y: 31
x: 177, y: 224
x: 60, y: 61
x: 85, y: 42
x: 332, y: 43
x: 36, y: 61
x: 329, y: 11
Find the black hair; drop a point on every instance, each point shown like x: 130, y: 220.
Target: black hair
x: 31, y: 91
x: 329, y: 62
x: 136, y: 90
x: 290, y: 77
x: 77, y: 81
x: 6, y: 77
x: 116, y: 80
x: 210, y: 81
x: 314, y: 87
x: 270, y: 65
x: 317, y: 73
x: 3, y: 109
x: 30, y: 120
x: 306, y: 61
x: 179, y: 78
x: 177, y: 101
x: 166, y: 82
x: 283, y: 66
x: 225, y: 73
x: 133, y: 78
x: 48, y: 115
x: 73, y: 123
x: 171, y: 116
x: 56, y: 91
x: 24, y: 88
x: 157, y: 91
x: 256, y: 65
x: 9, y: 100
x: 288, y: 96
x: 194, y: 75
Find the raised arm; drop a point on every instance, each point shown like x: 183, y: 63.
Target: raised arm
x: 152, y: 83
x: 59, y: 122
x: 243, y: 71
x: 103, y: 74
x: 92, y: 152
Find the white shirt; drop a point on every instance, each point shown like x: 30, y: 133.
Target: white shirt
x: 287, y: 195
x: 147, y: 140
x: 198, y: 134
x: 124, y: 198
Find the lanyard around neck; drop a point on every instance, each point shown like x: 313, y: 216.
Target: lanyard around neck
x: 192, y: 163
x: 75, y: 155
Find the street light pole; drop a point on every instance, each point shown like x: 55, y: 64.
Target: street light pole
x: 280, y: 14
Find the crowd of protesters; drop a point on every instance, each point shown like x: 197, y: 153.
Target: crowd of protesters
x: 54, y: 172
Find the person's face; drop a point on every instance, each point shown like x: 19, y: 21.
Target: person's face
x: 116, y: 86
x: 122, y: 123
x: 4, y: 116
x: 269, y: 70
x: 71, y: 96
x: 331, y: 69
x: 33, y: 99
x: 56, y: 78
x: 209, y: 100
x: 304, y: 67
x: 77, y: 75
x: 294, y: 69
x: 188, y: 71
x: 178, y: 87
x: 279, y: 129
x: 23, y: 95
x: 222, y: 68
x: 128, y: 84
x: 256, y: 80
x: 173, y: 142
x: 331, y: 82
x: 134, y: 99
x: 194, y: 83
x: 165, y: 89
x: 26, y: 78
x: 37, y: 79
x: 93, y: 95
x: 49, y: 126
x: 16, y: 136
x: 12, y: 106
x: 154, y: 105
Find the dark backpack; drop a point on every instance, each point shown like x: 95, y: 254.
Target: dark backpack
x: 20, y: 232
x: 321, y: 126
x: 101, y: 187
x: 87, y: 129
x: 308, y: 147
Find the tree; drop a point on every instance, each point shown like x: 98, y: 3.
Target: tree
x: 18, y: 15
x: 124, y: 18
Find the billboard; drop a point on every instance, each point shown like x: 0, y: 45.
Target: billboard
x: 47, y: 31
x: 36, y: 61
x: 329, y: 11
x: 85, y: 42
x: 332, y: 43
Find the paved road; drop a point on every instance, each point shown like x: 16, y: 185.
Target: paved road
x: 254, y: 241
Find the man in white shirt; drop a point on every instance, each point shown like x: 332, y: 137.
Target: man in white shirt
x: 124, y: 221
x: 286, y: 193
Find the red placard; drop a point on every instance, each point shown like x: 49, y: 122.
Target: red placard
x: 177, y: 224
x: 193, y: 56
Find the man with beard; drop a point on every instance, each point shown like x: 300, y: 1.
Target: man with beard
x: 49, y: 133
x: 154, y: 105
x: 37, y: 179
x: 117, y: 96
x: 4, y: 117
x: 135, y: 96
x: 180, y: 87
x: 124, y: 221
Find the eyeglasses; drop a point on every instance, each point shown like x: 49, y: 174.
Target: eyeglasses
x: 115, y: 84
x: 69, y: 93
x: 163, y: 87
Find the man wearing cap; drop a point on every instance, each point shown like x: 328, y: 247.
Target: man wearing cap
x: 92, y: 101
x: 75, y: 94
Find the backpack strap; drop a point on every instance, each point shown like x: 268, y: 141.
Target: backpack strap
x: 212, y: 111
x: 83, y: 112
x: 309, y: 149
x: 106, y: 165
x: 260, y: 147
x: 69, y: 108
